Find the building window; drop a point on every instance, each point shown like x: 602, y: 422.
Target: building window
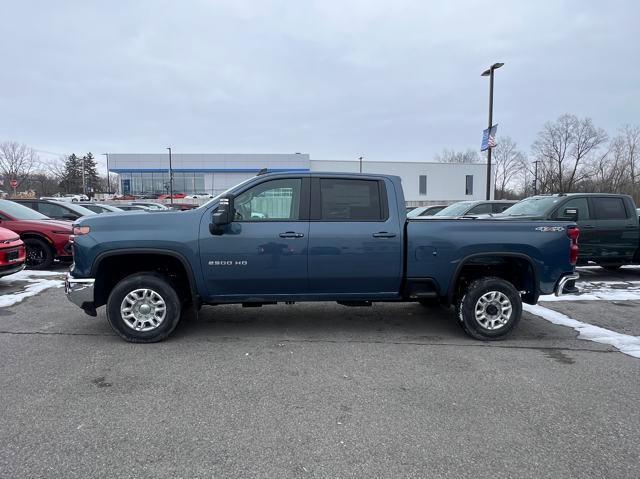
x: 423, y: 184
x: 468, y: 185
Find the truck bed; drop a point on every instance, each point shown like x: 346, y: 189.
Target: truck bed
x: 436, y: 248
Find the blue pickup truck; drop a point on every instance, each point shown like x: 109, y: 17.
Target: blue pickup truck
x: 290, y: 237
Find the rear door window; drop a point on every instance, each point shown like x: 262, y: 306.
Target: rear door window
x: 609, y: 209
x: 351, y: 200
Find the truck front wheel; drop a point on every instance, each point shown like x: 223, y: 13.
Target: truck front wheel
x: 143, y: 308
x: 489, y: 308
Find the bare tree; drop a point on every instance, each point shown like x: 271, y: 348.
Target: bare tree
x: 57, y: 168
x: 631, y: 139
x: 508, y: 161
x: 452, y: 156
x: 609, y: 171
x: 17, y: 160
x: 564, y: 149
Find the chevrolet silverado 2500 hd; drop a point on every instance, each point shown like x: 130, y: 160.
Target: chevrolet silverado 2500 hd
x: 287, y: 237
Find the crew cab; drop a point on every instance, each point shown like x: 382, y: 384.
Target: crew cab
x: 609, y: 226
x: 44, y: 239
x: 12, y: 252
x: 287, y: 237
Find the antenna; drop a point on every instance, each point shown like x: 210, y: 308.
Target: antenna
x: 263, y: 171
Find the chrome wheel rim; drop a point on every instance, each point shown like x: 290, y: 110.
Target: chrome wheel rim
x: 143, y: 310
x: 493, y: 310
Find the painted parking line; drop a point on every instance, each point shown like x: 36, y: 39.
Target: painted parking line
x: 625, y: 343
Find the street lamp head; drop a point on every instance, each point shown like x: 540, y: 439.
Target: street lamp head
x: 495, y: 66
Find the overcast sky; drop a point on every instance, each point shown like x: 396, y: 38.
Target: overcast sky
x: 390, y: 80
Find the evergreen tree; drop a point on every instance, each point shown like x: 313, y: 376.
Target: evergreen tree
x: 71, y: 180
x: 91, y: 178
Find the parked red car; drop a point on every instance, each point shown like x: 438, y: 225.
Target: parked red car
x: 176, y: 196
x: 12, y: 253
x: 44, y: 239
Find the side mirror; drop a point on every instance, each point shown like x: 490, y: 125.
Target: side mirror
x: 571, y: 213
x: 222, y: 216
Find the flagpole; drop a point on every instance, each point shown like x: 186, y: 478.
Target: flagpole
x: 489, y: 73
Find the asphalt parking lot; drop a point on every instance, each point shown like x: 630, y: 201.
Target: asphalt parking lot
x: 320, y: 390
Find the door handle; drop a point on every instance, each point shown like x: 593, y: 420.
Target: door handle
x: 291, y: 234
x: 630, y: 227
x: 384, y: 234
x: 588, y: 227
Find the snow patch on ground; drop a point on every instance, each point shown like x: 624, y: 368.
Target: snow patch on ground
x: 601, y: 291
x: 623, y: 342
x: 36, y: 282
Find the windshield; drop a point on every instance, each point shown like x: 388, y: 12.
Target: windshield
x: 456, y: 209
x: 20, y: 212
x: 535, y: 206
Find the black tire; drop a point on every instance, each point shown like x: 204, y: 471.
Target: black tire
x: 144, y: 281
x: 467, y: 304
x: 39, y: 253
x: 611, y: 267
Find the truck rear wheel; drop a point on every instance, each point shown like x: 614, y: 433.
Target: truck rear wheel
x: 489, y: 309
x: 143, y: 308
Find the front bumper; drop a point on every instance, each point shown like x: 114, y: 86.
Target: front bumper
x: 6, y: 270
x: 563, y: 282
x: 80, y: 291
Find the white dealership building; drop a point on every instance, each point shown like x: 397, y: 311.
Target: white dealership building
x: 423, y: 182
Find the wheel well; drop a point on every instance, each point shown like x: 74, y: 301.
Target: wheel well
x: 37, y: 236
x: 111, y: 269
x: 517, y: 270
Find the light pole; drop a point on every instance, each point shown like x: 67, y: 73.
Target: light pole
x: 108, y: 176
x: 170, y: 178
x: 84, y: 188
x: 535, y: 178
x: 360, y: 159
x: 489, y: 72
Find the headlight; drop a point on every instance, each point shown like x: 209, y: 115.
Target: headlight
x: 81, y: 230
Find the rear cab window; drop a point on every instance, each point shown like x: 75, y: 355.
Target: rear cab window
x: 339, y: 199
x: 609, y: 208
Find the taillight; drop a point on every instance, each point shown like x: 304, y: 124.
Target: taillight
x: 573, y: 232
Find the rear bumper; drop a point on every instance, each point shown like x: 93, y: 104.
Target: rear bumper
x: 80, y: 291
x: 563, y: 282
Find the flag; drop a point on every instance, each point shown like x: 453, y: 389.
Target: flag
x: 489, y: 138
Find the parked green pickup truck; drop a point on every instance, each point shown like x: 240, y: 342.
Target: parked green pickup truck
x: 609, y: 227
